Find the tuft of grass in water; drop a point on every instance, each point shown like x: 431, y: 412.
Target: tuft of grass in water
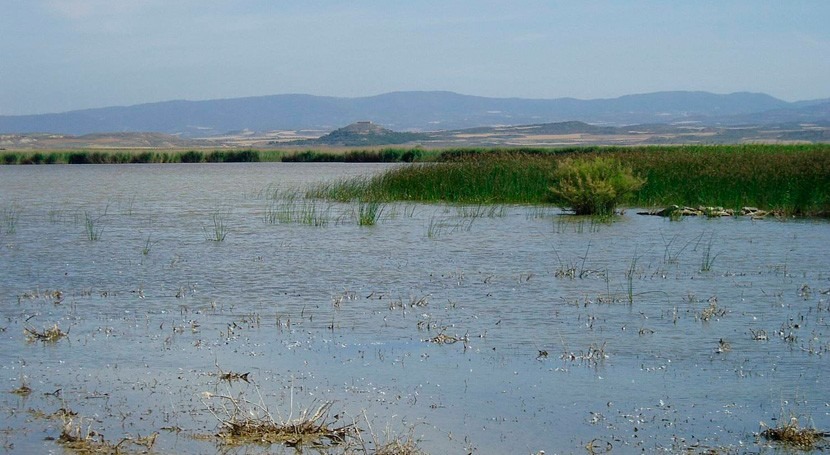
x: 48, y: 335
x: 440, y: 225
x: 148, y: 245
x: 482, y: 211
x: 672, y: 255
x: 369, y: 212
x: 79, y: 437
x: 792, y: 434
x: 708, y: 259
x: 400, y: 446
x: 712, y: 311
x: 629, y: 276
x: 11, y: 216
x: 92, y: 228
x: 220, y: 228
x: 290, y: 206
x: 23, y: 390
x: 243, y: 422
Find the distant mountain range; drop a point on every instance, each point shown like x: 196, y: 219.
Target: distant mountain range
x: 418, y: 112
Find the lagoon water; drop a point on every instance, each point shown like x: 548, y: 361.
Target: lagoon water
x: 641, y: 334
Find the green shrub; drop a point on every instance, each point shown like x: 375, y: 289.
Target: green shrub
x: 593, y: 186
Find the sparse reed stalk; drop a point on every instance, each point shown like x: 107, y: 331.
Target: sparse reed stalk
x: 369, y: 212
x: 672, y: 256
x: 289, y: 207
x: 629, y: 276
x: 708, y: 258
x: 220, y: 228
x: 92, y: 228
x: 11, y: 216
x: 148, y: 245
x: 434, y: 227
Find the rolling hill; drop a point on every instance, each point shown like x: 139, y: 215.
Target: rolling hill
x: 415, y: 111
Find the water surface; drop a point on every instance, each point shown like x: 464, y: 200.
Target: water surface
x: 639, y: 334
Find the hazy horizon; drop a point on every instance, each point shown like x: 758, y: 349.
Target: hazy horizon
x: 77, y: 54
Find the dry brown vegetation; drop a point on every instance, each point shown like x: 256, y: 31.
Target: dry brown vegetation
x: 794, y: 435
x: 242, y: 422
x: 48, y: 335
x: 79, y: 437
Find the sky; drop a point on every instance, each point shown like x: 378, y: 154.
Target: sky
x: 61, y: 55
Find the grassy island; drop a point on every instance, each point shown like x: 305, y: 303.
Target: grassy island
x: 788, y: 179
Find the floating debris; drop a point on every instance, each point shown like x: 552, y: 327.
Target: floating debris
x: 759, y: 335
x: 24, y: 390
x: 230, y: 376
x: 595, y: 355
x: 443, y: 338
x: 713, y: 310
x: 50, y: 335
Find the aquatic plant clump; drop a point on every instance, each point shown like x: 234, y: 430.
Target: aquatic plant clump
x: 793, y: 435
x: 368, y: 213
x: 48, y: 335
x: 249, y: 423
x: 593, y: 186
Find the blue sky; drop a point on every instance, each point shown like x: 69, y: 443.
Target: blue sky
x: 59, y: 55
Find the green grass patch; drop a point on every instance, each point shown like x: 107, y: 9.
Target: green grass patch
x: 506, y: 178
x: 793, y: 179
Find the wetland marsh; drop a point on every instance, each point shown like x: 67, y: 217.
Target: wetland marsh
x: 187, y: 295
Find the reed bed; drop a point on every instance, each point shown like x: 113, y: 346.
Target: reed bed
x: 507, y: 178
x: 122, y: 156
x: 793, y: 179
x: 384, y: 155
x: 136, y: 156
x: 790, y: 179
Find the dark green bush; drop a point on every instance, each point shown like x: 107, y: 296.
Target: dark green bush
x: 192, y: 156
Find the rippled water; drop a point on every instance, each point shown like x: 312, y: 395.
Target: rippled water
x: 640, y: 334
